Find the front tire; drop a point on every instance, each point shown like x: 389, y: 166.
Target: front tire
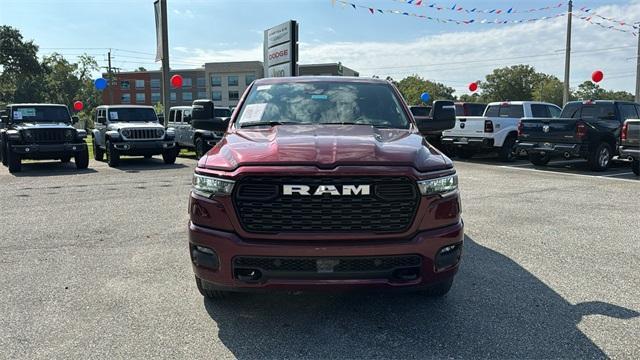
x: 82, y: 159
x: 539, y: 160
x: 200, y: 147
x: 635, y: 166
x: 209, y: 293
x: 98, y: 153
x: 3, y: 154
x: 600, y: 158
x: 14, y: 161
x: 507, y: 151
x: 169, y: 156
x: 113, y: 156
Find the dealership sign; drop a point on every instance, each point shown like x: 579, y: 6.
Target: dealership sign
x: 281, y: 50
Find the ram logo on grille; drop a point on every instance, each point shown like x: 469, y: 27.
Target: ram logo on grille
x: 346, y: 190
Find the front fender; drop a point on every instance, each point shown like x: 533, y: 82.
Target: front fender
x: 112, y: 134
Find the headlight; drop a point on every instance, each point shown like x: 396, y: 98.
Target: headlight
x: 208, y: 186
x: 159, y: 132
x: 126, y: 133
x: 442, y: 185
x: 69, y: 134
x: 27, y: 135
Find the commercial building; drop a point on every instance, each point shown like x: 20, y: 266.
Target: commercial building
x: 222, y: 82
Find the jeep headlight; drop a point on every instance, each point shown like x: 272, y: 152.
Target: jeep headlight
x: 27, y: 135
x: 208, y: 186
x: 441, y: 185
x: 126, y: 133
x: 170, y: 133
x: 69, y: 135
x: 159, y: 132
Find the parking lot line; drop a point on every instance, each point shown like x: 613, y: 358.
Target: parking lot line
x: 618, y: 174
x: 572, y: 174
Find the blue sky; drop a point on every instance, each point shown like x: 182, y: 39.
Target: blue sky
x: 382, y: 44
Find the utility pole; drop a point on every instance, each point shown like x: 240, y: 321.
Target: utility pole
x: 165, y: 61
x: 567, y: 56
x: 638, y: 69
x: 110, y: 78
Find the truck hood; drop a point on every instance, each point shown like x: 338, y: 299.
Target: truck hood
x: 135, y: 125
x: 31, y: 125
x: 324, y: 146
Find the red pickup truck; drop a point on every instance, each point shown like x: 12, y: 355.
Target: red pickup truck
x: 324, y: 183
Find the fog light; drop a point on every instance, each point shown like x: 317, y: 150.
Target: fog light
x: 205, y: 257
x: 73, y: 148
x: 27, y: 149
x: 448, y: 256
x: 126, y: 147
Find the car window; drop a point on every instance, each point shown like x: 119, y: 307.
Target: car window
x: 628, y: 111
x: 186, y: 116
x: 475, y: 109
x: 599, y: 111
x: 179, y: 116
x: 325, y: 102
x: 540, y: 111
x: 554, y: 111
x: 506, y: 111
x: 221, y: 112
x: 459, y: 110
x: 172, y: 116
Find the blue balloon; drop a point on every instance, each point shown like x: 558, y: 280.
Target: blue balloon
x: 425, y: 97
x: 100, y: 83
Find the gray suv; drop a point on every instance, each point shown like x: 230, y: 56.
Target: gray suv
x: 190, y: 137
x: 131, y: 130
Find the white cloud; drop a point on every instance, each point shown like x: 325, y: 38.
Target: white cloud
x: 469, y: 53
x: 185, y: 13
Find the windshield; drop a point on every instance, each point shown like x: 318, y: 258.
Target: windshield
x: 218, y: 112
x: 40, y: 114
x: 324, y: 102
x: 132, y: 115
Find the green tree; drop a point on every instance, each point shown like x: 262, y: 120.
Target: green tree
x: 548, y: 88
x: 20, y: 71
x: 413, y: 86
x: 589, y: 90
x: 510, y: 83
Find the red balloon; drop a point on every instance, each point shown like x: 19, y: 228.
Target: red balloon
x: 176, y: 81
x: 78, y: 105
x: 597, y: 76
x: 473, y: 86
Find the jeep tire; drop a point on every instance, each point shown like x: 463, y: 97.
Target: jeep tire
x: 539, y: 159
x: 200, y: 150
x: 98, y: 153
x: 113, y: 156
x: 3, y: 153
x: 599, y: 158
x: 169, y: 156
x: 82, y: 158
x: 14, y: 161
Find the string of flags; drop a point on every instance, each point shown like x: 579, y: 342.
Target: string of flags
x: 496, y: 11
x: 590, y: 14
x: 605, y: 26
x: 373, y: 10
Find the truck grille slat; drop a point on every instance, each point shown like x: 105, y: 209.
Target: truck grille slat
x: 142, y: 134
x: 390, y: 207
x: 48, y: 135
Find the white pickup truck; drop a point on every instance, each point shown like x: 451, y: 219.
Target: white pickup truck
x: 496, y: 131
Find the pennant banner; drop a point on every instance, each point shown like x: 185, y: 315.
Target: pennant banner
x: 496, y: 11
x: 589, y: 13
x: 589, y: 19
x: 373, y: 11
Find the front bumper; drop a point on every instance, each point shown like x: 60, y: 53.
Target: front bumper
x: 467, y: 142
x: 143, y: 147
x: 629, y: 152
x: 46, y: 149
x: 228, y: 246
x: 566, y: 150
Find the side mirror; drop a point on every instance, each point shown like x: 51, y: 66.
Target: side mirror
x: 75, y: 119
x: 442, y: 117
x: 102, y: 119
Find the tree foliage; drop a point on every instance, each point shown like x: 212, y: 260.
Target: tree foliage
x: 591, y: 91
x: 413, y: 86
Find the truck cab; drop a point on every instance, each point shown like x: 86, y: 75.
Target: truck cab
x: 40, y: 132
x: 131, y: 130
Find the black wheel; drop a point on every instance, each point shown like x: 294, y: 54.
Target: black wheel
x: 14, y: 160
x: 465, y: 153
x: 169, y: 156
x: 209, y: 293
x: 113, y: 156
x: 635, y: 166
x: 438, y: 290
x: 148, y: 156
x: 3, y: 154
x: 539, y: 160
x: 200, y: 148
x: 600, y: 157
x: 65, y: 159
x: 507, y: 151
x: 82, y: 158
x: 98, y: 153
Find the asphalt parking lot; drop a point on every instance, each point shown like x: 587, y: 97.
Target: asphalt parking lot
x: 94, y: 264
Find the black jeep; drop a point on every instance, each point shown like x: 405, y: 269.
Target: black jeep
x: 40, y: 132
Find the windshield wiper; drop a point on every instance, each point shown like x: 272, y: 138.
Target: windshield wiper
x: 266, y: 123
